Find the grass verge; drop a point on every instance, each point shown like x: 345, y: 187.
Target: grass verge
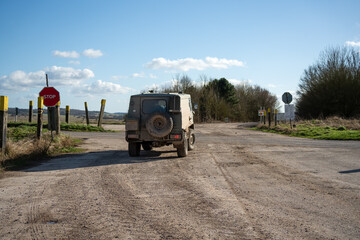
x: 23, y: 149
x: 334, y: 128
x: 28, y: 127
x: 82, y: 128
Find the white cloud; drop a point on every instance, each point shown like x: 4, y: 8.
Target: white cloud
x: 58, y: 76
x: 138, y: 75
x: 101, y: 87
x: 353, y: 44
x: 186, y: 64
x: 21, y: 81
x: 134, y: 75
x: 74, y: 62
x: 270, y: 85
x: 239, y: 82
x: 72, y: 54
x: 32, y: 96
x: 91, y: 53
x: 119, y: 77
x: 152, y: 76
x: 68, y: 73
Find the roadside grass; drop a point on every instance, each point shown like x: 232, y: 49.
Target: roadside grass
x: 21, y: 128
x: 23, y: 149
x: 82, y: 128
x: 333, y: 128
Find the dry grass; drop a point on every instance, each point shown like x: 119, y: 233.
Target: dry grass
x: 334, y: 128
x: 24, y: 152
x: 335, y: 122
x: 30, y: 151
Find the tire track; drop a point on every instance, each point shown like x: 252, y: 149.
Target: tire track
x: 228, y: 179
x: 268, y: 181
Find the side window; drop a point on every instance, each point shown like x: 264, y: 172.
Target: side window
x: 190, y: 105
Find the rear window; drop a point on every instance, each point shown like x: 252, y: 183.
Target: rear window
x: 154, y: 105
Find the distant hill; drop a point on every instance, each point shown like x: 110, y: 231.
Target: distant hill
x: 73, y: 112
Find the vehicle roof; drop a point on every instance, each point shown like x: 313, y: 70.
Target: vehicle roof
x: 160, y: 95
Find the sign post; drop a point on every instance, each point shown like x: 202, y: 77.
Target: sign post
x: 264, y: 116
x: 51, y: 97
x: 261, y: 114
x: 57, y: 114
x: 287, y: 99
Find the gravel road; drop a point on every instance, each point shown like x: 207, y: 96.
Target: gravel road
x: 236, y: 184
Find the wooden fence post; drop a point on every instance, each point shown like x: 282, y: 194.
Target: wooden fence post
x: 275, y: 117
x: 269, y: 116
x: 87, y: 114
x: 30, y: 111
x: 16, y: 113
x: 40, y: 117
x: 57, y: 118
x: 101, y: 115
x: 49, y: 118
x: 3, y: 122
x: 67, y: 113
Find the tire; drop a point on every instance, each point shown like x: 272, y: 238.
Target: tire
x: 134, y: 149
x: 191, y: 141
x: 147, y: 146
x: 159, y: 125
x: 182, y: 151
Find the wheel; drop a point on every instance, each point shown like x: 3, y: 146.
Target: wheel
x: 191, y: 141
x: 134, y: 149
x: 182, y: 151
x: 159, y: 124
x: 147, y: 146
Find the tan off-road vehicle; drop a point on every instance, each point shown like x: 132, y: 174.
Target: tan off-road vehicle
x: 156, y: 120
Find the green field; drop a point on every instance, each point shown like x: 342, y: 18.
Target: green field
x: 328, y: 129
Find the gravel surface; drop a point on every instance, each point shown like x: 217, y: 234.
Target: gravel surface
x: 236, y: 184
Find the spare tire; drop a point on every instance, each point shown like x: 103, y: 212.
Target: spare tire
x: 159, y: 124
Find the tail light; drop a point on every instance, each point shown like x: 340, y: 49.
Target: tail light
x: 175, y: 136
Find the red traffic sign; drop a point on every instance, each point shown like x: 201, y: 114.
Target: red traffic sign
x: 51, y: 96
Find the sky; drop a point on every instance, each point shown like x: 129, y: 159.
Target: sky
x: 93, y: 50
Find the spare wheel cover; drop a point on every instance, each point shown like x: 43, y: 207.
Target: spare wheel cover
x: 159, y: 124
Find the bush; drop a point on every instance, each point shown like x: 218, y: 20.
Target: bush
x: 331, y: 87
x: 341, y: 128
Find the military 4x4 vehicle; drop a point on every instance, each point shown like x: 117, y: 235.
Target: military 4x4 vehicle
x: 156, y: 120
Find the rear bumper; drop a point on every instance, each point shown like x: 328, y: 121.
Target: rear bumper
x: 138, y: 136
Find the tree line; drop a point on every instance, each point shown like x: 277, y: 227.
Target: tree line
x: 218, y: 99
x: 331, y: 86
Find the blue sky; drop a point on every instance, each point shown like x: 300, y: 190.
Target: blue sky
x: 113, y: 49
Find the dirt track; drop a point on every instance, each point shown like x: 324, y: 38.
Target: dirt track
x: 236, y: 184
